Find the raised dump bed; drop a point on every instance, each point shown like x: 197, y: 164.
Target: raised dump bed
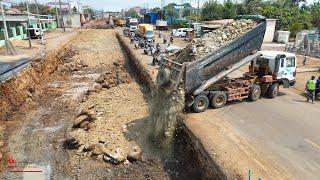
x: 203, y: 69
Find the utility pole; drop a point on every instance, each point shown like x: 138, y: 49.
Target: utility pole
x: 9, y: 47
x: 28, y: 25
x: 69, y: 7
x: 198, y: 10
x: 57, y: 15
x: 39, y: 22
x: 62, y: 23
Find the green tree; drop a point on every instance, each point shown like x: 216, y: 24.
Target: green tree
x: 229, y: 10
x: 170, y: 11
x: 131, y: 13
x: 89, y: 11
x: 290, y: 19
x: 315, y: 14
x: 211, y: 10
x: 186, y: 12
x: 156, y: 9
x: 44, y: 10
x: 254, y: 6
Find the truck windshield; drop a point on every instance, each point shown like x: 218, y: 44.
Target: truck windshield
x: 291, y: 62
x: 133, y: 24
x: 149, y: 33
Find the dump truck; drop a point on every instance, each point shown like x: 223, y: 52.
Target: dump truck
x: 120, y: 22
x: 146, y: 31
x: 205, y: 80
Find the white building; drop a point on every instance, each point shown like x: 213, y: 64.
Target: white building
x: 66, y: 5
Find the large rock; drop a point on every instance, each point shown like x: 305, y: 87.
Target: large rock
x: 213, y: 40
x: 84, y: 124
x: 71, y: 143
x: 134, y: 156
x: 79, y: 120
x: 114, y: 158
x: 99, y: 149
x: 89, y: 147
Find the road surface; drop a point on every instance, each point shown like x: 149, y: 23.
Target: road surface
x: 285, y: 129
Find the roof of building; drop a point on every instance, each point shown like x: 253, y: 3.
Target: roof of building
x: 14, y: 11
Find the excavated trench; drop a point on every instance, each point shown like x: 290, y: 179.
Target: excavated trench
x: 185, y: 158
x: 38, y: 104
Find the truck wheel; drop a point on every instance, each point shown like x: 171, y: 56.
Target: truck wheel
x: 218, y: 99
x: 318, y: 96
x: 201, y: 103
x: 273, y: 91
x: 163, y: 77
x: 255, y: 92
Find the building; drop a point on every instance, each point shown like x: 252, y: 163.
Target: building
x: 151, y: 17
x: 179, y: 9
x: 66, y: 6
x: 16, y: 22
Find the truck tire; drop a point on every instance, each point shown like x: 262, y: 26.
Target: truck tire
x: 318, y: 96
x: 163, y: 77
x: 201, y: 103
x: 218, y: 99
x: 273, y: 91
x: 254, y: 93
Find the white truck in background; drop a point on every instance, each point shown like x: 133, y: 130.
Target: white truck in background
x: 133, y: 24
x: 161, y: 25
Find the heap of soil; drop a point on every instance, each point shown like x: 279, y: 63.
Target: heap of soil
x: 98, y: 24
x: 213, y: 40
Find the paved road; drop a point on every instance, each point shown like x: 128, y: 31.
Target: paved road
x: 287, y: 129
x: 9, y: 67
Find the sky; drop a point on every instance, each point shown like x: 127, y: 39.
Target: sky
x: 117, y: 5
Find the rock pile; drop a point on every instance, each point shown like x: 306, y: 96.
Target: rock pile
x: 84, y: 119
x: 114, y: 76
x: 213, y: 40
x: 98, y: 24
x: 72, y: 66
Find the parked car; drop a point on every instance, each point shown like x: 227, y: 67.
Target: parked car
x: 35, y: 32
x: 182, y: 32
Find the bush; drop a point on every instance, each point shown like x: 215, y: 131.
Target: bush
x: 179, y: 24
x: 290, y: 19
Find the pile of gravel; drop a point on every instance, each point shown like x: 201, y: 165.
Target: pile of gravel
x: 213, y: 40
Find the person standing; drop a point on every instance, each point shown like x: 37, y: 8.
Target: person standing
x: 311, y: 89
x: 318, y: 83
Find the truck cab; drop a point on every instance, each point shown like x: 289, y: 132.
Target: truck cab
x: 133, y: 24
x: 281, y: 65
x: 146, y: 31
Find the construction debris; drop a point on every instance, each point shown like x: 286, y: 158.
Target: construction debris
x: 114, y: 76
x: 213, y: 40
x: 98, y: 24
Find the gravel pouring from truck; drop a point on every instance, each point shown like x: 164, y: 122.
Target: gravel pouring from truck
x: 204, y: 79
